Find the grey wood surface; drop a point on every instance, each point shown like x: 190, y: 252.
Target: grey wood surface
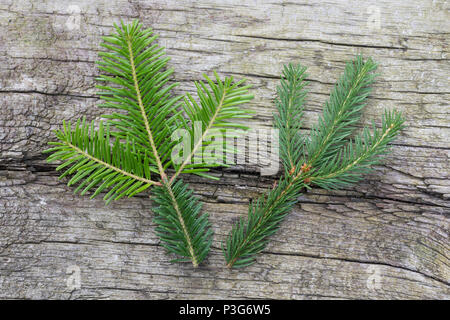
x: 387, y: 237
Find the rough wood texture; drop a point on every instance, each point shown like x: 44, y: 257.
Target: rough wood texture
x: 385, y: 238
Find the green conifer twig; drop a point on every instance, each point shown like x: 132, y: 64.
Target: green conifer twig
x: 137, y: 142
x: 331, y: 160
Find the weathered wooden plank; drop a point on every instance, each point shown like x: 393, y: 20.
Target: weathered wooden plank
x: 328, y: 247
x: 385, y: 238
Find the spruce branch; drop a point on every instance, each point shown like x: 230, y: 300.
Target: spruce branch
x: 290, y: 98
x: 331, y: 161
x: 250, y: 237
x: 341, y: 112
x: 356, y: 157
x: 134, y: 152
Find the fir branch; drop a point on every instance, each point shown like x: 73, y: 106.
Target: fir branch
x: 192, y: 236
x: 338, y: 163
x: 87, y: 153
x: 217, y: 111
x: 134, y: 84
x: 149, y: 101
x: 131, y: 55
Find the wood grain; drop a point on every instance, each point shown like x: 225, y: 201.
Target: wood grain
x: 387, y: 237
